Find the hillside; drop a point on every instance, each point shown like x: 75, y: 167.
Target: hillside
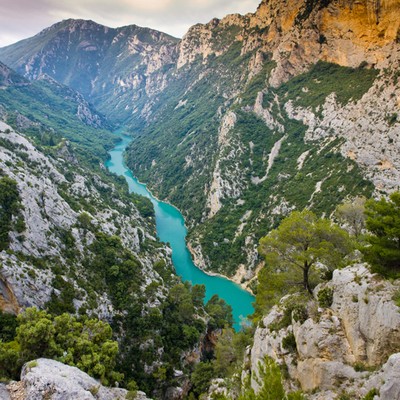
x: 293, y: 106
x: 115, y: 69
x: 245, y: 118
x: 49, y: 111
x: 73, y: 240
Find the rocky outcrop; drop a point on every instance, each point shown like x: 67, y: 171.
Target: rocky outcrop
x: 371, y: 133
x: 49, y: 379
x: 337, y: 346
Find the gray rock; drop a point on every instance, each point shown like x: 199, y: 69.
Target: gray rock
x: 4, y: 393
x: 362, y: 326
x: 391, y: 378
x: 45, y: 377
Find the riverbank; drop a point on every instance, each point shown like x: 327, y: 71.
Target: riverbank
x: 171, y: 228
x: 238, y: 278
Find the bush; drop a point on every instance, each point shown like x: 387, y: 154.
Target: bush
x: 383, y: 222
x: 270, y: 380
x: 8, y: 326
x: 289, y: 342
x: 84, y: 343
x: 371, y: 394
x: 325, y: 297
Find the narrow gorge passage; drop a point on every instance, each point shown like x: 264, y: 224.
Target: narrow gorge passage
x: 171, y: 228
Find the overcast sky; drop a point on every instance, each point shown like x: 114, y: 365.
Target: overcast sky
x: 20, y: 19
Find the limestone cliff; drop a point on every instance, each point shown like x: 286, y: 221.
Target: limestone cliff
x: 271, y: 51
x: 49, y: 193
x: 45, y: 378
x: 347, y: 346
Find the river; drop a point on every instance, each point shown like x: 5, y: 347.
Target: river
x: 171, y: 228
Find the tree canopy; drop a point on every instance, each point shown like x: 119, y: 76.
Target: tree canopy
x: 84, y: 343
x: 352, y: 214
x: 383, y: 223
x: 302, y: 246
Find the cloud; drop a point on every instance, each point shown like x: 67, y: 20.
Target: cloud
x: 23, y: 18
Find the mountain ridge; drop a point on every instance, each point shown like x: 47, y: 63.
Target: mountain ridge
x: 194, y: 99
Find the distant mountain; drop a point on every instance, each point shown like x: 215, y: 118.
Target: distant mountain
x: 45, y: 108
x: 115, y: 69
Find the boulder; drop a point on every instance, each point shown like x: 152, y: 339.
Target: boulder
x: 51, y: 379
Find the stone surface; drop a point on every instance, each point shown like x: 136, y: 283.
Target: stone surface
x: 337, y: 346
x: 390, y: 377
x: 53, y: 380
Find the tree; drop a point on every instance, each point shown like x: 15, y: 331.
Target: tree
x: 220, y: 313
x: 201, y: 377
x: 9, y: 207
x: 83, y: 343
x: 229, y: 351
x: 270, y: 382
x: 301, y: 244
x: 198, y: 295
x: 383, y: 221
x: 352, y: 214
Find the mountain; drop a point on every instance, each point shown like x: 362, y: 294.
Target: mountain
x: 291, y: 107
x: 8, y: 77
x: 246, y: 118
x: 114, y: 69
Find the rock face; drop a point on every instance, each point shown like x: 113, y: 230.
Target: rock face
x: 271, y: 106
x: 47, y: 198
x: 49, y: 379
x: 121, y: 65
x: 359, y: 332
x: 10, y: 78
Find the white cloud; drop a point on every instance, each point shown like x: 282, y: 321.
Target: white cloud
x: 23, y: 18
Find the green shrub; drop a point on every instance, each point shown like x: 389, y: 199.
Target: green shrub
x: 371, y: 394
x: 325, y: 297
x: 383, y: 223
x: 289, y: 342
x: 83, y: 343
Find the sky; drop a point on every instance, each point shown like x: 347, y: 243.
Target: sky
x: 20, y: 19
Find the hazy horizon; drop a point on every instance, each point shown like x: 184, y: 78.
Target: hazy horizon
x: 170, y: 16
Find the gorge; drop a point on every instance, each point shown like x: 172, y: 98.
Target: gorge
x: 289, y: 113
x: 171, y: 229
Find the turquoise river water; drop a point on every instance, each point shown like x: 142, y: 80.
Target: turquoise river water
x: 171, y: 228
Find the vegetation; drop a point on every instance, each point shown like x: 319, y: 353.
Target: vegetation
x: 51, y: 112
x: 85, y: 343
x: 226, y: 361
x: 325, y: 297
x: 352, y: 214
x: 270, y: 381
x: 10, y: 207
x: 348, y: 84
x: 301, y: 242
x: 8, y: 326
x: 383, y: 223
